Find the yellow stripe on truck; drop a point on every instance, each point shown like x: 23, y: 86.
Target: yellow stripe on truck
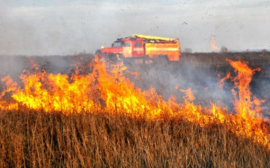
x: 164, y: 49
x: 154, y: 37
x: 156, y: 49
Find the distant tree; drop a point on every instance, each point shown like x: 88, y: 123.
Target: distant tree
x: 224, y: 49
x: 264, y: 51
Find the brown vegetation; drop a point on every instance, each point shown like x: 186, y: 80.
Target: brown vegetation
x: 100, y: 139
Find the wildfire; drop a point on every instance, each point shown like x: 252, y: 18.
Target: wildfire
x: 99, y: 86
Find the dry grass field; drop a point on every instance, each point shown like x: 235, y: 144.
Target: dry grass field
x: 100, y: 139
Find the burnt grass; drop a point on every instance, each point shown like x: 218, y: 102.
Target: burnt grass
x: 100, y: 139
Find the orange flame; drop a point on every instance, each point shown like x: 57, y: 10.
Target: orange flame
x: 213, y: 44
x: 221, y: 82
x: 189, y: 95
x: 244, y: 105
x: 107, y: 88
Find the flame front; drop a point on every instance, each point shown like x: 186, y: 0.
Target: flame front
x: 80, y: 92
x: 111, y: 91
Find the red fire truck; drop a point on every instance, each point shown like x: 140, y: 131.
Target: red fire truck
x: 142, y: 46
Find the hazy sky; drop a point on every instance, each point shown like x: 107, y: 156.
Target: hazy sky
x: 48, y: 27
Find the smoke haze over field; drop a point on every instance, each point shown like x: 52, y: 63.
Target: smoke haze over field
x: 36, y: 27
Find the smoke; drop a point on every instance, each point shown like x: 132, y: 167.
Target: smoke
x: 261, y: 87
x: 170, y: 79
x: 203, y: 79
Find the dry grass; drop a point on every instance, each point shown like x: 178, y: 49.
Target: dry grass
x: 37, y: 139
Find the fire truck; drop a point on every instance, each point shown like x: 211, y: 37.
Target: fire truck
x: 144, y: 47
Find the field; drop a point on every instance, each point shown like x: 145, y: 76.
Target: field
x: 99, y: 139
x: 125, y: 122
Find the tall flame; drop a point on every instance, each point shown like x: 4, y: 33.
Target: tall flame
x: 244, y: 105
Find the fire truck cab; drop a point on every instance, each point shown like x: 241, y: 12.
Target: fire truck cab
x: 142, y: 46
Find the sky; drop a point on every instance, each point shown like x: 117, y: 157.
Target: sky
x: 65, y: 27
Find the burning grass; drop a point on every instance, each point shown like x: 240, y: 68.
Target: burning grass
x: 96, y: 116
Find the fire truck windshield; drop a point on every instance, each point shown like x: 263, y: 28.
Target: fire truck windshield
x: 118, y: 44
x: 121, y: 44
x: 127, y: 44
